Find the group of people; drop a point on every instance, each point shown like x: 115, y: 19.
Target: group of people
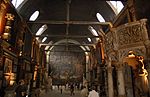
x: 92, y: 93
x: 16, y: 90
x: 85, y: 92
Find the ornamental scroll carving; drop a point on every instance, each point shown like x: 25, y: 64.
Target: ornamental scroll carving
x: 129, y: 35
x: 109, y: 41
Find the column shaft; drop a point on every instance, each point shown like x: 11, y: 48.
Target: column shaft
x: 110, y: 83
x: 121, y: 86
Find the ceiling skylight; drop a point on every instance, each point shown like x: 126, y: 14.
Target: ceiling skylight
x: 41, y: 30
x: 34, y: 16
x: 99, y: 17
x: 82, y: 48
x: 117, y: 6
x: 87, y: 48
x: 16, y: 3
x: 93, y: 31
x: 44, y: 39
x: 89, y: 39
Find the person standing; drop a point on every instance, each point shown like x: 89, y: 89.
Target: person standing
x: 21, y: 89
x: 93, y: 93
x: 72, y: 89
x: 84, y: 92
x: 61, y: 89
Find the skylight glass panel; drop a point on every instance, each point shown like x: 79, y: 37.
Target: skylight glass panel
x: 100, y: 17
x: 83, y: 48
x: 34, y: 16
x: 44, y: 39
x: 117, y: 6
x: 93, y: 31
x: 16, y: 3
x: 41, y: 30
x: 87, y: 48
x: 89, y: 39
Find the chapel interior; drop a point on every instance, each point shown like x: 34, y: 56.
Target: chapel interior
x: 104, y: 43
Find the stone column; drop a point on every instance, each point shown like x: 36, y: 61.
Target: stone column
x: 147, y: 45
x: 98, y: 77
x: 148, y: 70
x: 87, y: 69
x: 121, y: 85
x: 110, y: 79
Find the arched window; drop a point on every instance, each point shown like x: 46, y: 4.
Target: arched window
x: 100, y: 17
x: 16, y: 3
x: 41, y: 30
x: 44, y: 39
x: 34, y: 16
x: 117, y: 6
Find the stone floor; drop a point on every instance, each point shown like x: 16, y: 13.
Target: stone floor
x: 57, y: 93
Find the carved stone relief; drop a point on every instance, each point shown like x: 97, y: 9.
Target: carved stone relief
x: 109, y: 41
x: 129, y: 35
x: 126, y: 36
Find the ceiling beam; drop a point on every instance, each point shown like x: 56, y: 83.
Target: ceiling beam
x: 70, y: 22
x: 68, y: 36
x: 42, y: 44
x: 68, y: 51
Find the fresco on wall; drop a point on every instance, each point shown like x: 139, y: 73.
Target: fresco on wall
x: 67, y: 67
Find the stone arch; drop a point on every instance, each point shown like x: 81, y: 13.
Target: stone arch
x: 138, y: 52
x: 139, y: 73
x: 69, y: 41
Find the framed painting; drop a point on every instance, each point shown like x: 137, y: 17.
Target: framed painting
x: 7, y: 65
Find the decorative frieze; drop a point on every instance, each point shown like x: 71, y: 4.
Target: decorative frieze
x: 109, y: 41
x: 129, y: 35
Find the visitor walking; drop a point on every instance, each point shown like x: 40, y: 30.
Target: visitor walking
x: 93, y: 93
x: 84, y: 92
x: 72, y: 89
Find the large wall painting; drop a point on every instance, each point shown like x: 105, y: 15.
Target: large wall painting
x: 67, y: 67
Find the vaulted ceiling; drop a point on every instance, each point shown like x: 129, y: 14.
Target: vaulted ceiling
x: 68, y: 21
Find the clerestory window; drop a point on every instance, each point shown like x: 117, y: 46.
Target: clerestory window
x: 117, y: 6
x: 16, y: 3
